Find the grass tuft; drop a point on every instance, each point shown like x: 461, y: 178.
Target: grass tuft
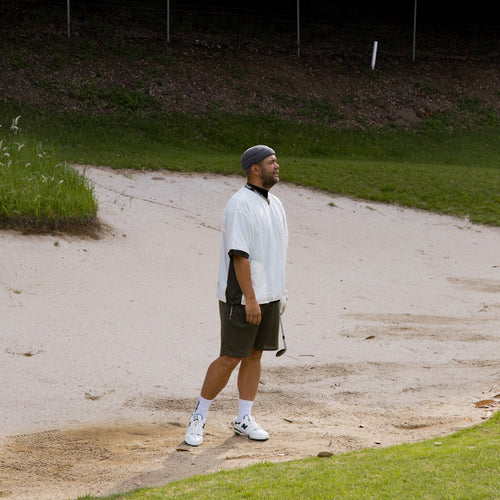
x: 38, y: 193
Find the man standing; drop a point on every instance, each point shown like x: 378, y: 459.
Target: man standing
x: 251, y: 290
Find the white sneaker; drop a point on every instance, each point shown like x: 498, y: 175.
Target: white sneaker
x: 194, y: 433
x: 249, y: 427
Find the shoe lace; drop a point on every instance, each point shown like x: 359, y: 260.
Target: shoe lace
x: 252, y: 424
x: 197, y: 424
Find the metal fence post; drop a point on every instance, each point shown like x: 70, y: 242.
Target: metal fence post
x: 68, y: 10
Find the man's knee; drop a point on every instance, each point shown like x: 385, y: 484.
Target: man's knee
x: 255, y: 356
x: 228, y: 362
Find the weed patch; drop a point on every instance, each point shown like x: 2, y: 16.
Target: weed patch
x: 39, y: 194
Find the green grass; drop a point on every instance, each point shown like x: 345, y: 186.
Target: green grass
x: 463, y: 465
x: 39, y: 193
x: 436, y: 167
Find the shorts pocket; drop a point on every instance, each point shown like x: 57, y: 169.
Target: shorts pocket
x: 238, y: 315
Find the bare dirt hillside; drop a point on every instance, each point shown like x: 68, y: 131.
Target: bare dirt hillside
x: 118, y: 63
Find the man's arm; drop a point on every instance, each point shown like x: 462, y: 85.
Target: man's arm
x: 244, y: 277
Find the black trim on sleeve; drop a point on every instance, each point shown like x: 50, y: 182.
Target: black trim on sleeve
x: 241, y: 253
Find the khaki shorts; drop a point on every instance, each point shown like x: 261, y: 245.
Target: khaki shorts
x: 238, y: 337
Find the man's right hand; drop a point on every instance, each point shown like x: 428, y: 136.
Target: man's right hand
x: 252, y: 310
x: 244, y: 277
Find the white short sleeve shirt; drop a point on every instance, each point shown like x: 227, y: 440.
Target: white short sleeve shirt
x: 256, y: 227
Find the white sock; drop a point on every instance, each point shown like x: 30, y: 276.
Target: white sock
x: 203, y: 406
x: 244, y: 408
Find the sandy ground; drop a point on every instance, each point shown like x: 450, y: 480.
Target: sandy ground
x: 393, y: 330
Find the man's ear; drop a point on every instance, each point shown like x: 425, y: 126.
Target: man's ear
x: 255, y: 169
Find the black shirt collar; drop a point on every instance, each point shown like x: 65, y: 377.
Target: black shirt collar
x: 259, y: 190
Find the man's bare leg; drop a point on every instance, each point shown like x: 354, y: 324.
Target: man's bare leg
x: 218, y: 375
x: 248, y: 384
x: 249, y: 375
x: 216, y: 379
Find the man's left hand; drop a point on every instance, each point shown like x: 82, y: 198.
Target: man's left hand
x: 283, y: 302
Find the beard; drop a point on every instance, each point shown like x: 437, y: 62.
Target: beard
x: 268, y: 179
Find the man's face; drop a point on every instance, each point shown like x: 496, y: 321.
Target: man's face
x: 269, y: 170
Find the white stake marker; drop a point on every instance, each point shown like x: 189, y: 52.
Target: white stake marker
x: 374, y: 54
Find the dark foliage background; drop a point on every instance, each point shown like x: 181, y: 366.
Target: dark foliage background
x: 459, y: 12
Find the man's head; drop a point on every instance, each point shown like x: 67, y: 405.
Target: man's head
x: 255, y: 154
x: 260, y: 166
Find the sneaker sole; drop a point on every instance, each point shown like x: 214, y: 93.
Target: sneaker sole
x: 238, y: 433
x: 194, y: 445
